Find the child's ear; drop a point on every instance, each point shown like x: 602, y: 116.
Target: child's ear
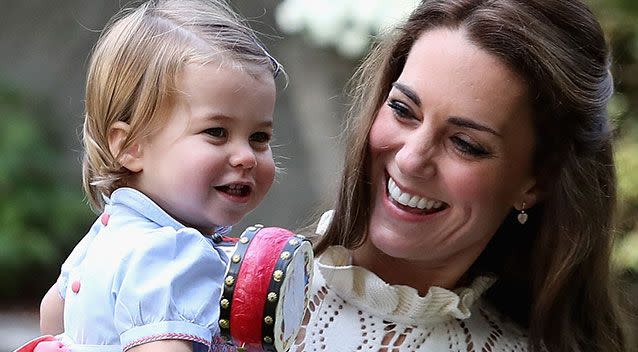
x: 131, y: 157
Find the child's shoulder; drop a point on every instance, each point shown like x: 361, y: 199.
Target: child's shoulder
x: 172, y: 246
x: 126, y: 235
x: 133, y: 220
x: 184, y: 259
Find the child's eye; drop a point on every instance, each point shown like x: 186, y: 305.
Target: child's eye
x: 260, y: 137
x: 217, y: 132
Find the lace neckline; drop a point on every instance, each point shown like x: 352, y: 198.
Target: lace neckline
x: 398, y: 303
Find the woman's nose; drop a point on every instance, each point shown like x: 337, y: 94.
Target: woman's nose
x: 415, y: 157
x: 242, y: 156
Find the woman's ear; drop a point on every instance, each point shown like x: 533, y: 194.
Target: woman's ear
x: 529, y: 196
x: 131, y: 157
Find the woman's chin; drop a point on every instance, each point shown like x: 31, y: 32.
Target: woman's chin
x: 393, y: 246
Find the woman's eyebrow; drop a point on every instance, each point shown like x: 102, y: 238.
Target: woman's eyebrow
x: 455, y: 120
x: 408, y: 92
x: 469, y: 123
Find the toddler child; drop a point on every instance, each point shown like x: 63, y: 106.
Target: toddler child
x: 179, y: 112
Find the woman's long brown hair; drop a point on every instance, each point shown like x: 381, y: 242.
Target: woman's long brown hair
x: 554, y: 271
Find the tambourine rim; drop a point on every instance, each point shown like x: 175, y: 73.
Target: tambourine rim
x: 270, y: 307
x: 279, y: 305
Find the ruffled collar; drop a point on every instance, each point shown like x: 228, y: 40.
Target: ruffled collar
x: 403, y: 304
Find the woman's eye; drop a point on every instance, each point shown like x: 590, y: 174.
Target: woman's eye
x: 217, y: 132
x: 260, y: 137
x: 469, y: 148
x: 399, y: 109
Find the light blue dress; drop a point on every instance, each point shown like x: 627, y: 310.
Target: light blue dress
x: 140, y: 276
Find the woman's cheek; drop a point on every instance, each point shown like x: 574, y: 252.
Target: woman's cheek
x: 380, y: 136
x: 477, y: 183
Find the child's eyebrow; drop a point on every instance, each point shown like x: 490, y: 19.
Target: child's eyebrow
x: 267, y: 123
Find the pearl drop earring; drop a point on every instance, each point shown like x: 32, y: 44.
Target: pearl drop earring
x: 522, y: 216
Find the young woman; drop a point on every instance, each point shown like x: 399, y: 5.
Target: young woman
x: 477, y: 195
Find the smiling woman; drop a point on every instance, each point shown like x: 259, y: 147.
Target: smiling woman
x: 476, y: 199
x: 446, y: 137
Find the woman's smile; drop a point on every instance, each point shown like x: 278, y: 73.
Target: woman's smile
x: 412, y: 202
x: 405, y: 205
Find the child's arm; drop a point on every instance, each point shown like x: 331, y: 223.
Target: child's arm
x: 52, y: 312
x: 164, y: 346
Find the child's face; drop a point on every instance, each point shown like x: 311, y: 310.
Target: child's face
x: 211, y: 163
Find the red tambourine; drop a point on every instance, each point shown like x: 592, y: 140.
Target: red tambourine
x: 266, y: 289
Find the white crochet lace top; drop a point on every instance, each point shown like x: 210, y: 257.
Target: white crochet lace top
x: 352, y: 309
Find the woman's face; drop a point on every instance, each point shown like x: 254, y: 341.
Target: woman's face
x: 451, y: 151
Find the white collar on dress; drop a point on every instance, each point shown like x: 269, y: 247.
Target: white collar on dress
x: 403, y: 304
x: 400, y: 303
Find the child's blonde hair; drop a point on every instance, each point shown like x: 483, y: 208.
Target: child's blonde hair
x: 133, y: 69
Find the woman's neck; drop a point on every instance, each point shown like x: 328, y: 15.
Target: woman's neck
x: 419, y: 274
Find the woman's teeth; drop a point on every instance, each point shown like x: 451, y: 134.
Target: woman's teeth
x: 411, y: 200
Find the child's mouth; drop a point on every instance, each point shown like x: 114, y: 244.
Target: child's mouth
x: 235, y: 190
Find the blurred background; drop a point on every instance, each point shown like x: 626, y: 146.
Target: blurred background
x: 44, y: 49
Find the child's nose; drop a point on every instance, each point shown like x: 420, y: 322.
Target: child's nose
x: 242, y: 156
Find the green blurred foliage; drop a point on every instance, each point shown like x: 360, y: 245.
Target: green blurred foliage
x: 619, y: 19
x: 626, y: 253
x: 41, y: 215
